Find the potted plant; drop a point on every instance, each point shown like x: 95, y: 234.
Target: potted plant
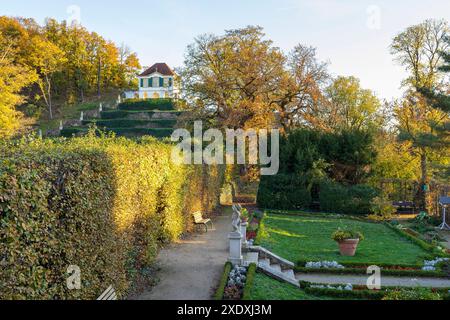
x: 245, y: 215
x: 348, y: 241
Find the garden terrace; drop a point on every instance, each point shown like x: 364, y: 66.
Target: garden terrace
x: 307, y: 237
x: 134, y: 118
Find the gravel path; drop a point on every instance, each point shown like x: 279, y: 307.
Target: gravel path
x: 191, y: 268
x: 385, y: 280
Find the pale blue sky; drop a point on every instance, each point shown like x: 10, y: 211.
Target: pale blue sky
x: 347, y: 33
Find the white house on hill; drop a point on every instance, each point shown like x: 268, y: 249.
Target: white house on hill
x: 158, y: 81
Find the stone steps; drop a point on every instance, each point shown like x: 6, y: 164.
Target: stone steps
x: 272, y: 265
x: 275, y: 270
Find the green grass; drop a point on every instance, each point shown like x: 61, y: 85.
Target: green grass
x: 308, y: 238
x: 66, y: 112
x: 266, y: 288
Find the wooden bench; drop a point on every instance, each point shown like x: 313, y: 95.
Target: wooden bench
x: 198, y: 219
x: 405, y: 207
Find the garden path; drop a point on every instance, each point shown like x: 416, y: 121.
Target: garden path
x: 190, y: 269
x: 385, y: 280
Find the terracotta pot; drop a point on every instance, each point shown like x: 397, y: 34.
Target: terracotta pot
x: 348, y: 247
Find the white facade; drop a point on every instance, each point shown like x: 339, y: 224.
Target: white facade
x: 154, y: 86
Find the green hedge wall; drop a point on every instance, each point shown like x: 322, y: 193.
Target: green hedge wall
x: 130, y: 132
x: 338, y: 198
x: 246, y: 295
x: 223, y: 281
x: 128, y: 123
x: 147, y: 104
x: 120, y: 114
x: 103, y: 204
x: 284, y: 192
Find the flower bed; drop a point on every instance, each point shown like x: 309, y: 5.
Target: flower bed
x: 236, y: 281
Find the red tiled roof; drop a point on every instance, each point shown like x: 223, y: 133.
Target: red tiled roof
x: 161, y: 68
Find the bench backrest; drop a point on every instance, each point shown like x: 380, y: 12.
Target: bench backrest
x: 198, y: 216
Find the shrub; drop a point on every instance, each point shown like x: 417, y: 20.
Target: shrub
x: 338, y: 198
x: 413, y: 294
x: 104, y: 204
x: 341, y: 235
x: 146, y: 104
x: 285, y: 192
x: 382, y: 209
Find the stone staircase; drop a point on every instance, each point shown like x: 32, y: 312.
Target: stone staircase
x: 271, y: 264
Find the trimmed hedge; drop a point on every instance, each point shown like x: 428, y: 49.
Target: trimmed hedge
x: 147, y: 104
x: 421, y: 243
x: 246, y: 295
x: 119, y: 114
x: 283, y: 191
x: 363, y: 293
x: 129, y: 123
x: 103, y: 204
x: 130, y: 132
x: 337, y: 198
x: 223, y: 281
x: 360, y: 271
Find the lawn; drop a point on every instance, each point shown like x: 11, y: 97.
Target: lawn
x: 266, y: 288
x: 308, y: 237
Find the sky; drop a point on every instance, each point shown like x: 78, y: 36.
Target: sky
x: 353, y: 36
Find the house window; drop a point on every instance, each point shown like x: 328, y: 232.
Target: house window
x: 142, y: 83
x: 166, y: 82
x: 155, y: 82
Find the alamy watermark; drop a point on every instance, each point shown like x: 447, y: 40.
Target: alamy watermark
x: 73, y: 281
x: 74, y: 13
x: 373, y: 17
x: 374, y: 280
x: 228, y: 149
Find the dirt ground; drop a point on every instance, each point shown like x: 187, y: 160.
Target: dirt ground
x: 190, y: 269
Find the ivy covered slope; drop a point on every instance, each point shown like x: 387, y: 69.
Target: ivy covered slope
x: 134, y: 118
x: 102, y: 204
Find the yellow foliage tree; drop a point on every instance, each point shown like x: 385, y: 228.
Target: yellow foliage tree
x: 13, y: 78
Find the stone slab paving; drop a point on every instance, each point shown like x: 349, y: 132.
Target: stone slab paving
x: 385, y: 280
x: 191, y: 268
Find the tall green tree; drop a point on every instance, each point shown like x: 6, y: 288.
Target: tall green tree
x: 419, y: 49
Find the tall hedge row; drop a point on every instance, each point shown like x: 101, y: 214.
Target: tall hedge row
x: 321, y: 170
x: 147, y: 104
x: 102, y: 204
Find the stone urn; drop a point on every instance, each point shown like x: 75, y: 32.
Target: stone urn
x: 348, y: 247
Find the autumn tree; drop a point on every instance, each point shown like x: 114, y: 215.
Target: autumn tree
x: 13, y: 78
x: 71, y: 61
x: 419, y: 49
x: 351, y: 107
x: 46, y: 58
x: 230, y: 79
x: 300, y: 94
